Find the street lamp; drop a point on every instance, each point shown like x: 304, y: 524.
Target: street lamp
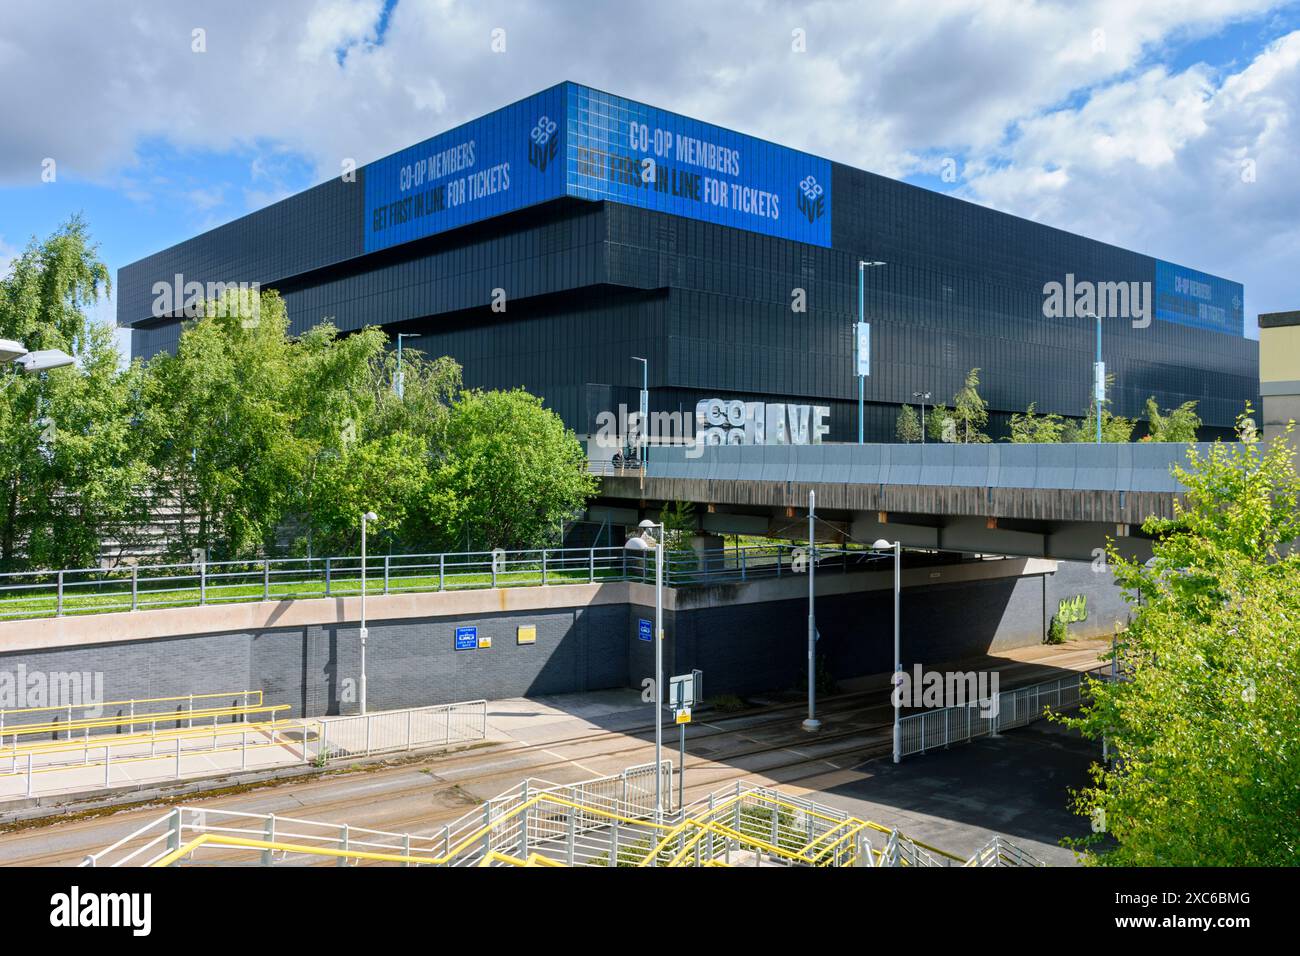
x: 365, y: 519
x: 924, y: 397
x: 861, y: 341
x: 401, y: 382
x: 645, y: 406
x: 1098, y: 374
x: 41, y: 360
x: 883, y: 545
x: 812, y: 724
x: 643, y: 542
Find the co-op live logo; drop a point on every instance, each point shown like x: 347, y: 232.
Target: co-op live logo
x: 812, y: 198
x: 543, y: 143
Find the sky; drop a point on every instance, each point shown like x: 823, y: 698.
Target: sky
x: 1167, y: 126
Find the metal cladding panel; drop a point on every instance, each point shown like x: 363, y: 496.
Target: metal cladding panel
x: 1097, y: 468
x: 1056, y: 466
x: 869, y: 464
x: 635, y: 154
x: 778, y: 464
x: 1016, y: 466
x: 937, y: 464
x: 838, y: 463
x: 496, y: 164
x: 1151, y: 464
x: 972, y: 465
x: 903, y: 465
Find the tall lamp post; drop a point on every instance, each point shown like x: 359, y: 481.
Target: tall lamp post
x: 644, y: 542
x: 401, y: 381
x: 859, y: 334
x: 883, y: 545
x: 644, y: 409
x: 924, y: 397
x: 365, y: 519
x: 812, y: 723
x: 1098, y: 374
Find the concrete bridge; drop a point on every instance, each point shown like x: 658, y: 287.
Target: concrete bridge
x: 1056, y: 501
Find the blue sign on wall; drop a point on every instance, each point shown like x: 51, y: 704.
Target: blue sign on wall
x: 504, y: 161
x: 576, y: 141
x: 644, y: 630
x: 1198, y: 299
x: 466, y: 638
x: 631, y: 153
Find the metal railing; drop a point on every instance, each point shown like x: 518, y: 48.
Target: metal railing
x: 399, y: 730
x: 38, y: 594
x: 601, y: 822
x: 145, y: 708
x: 1015, y: 708
x: 170, y: 753
x: 1001, y: 852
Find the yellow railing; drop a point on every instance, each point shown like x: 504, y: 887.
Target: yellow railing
x: 131, y: 721
x: 677, y: 845
x: 246, y: 695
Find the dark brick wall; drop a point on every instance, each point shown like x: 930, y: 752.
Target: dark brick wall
x: 741, y: 649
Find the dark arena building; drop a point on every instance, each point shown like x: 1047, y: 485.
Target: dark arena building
x: 545, y: 244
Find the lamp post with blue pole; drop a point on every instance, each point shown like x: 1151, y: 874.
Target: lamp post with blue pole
x: 1098, y: 374
x: 862, y: 343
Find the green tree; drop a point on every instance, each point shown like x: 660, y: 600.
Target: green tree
x: 940, y: 424
x: 1176, y: 425
x: 1114, y: 428
x: 223, y: 448
x: 1203, y: 730
x: 970, y: 411
x: 680, y: 523
x: 1034, y: 428
x: 506, y: 473
x: 908, y: 428
x: 386, y: 475
x: 71, y: 465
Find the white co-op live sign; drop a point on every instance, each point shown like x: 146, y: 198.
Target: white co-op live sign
x: 720, y: 421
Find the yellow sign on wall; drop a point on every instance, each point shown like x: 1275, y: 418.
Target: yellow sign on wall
x: 485, y: 641
x: 526, y: 634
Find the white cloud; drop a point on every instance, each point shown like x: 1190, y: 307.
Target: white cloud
x: 1102, y: 139
x: 1184, y: 166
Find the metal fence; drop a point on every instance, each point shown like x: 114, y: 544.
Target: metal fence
x: 1015, y: 708
x: 604, y: 822
x: 197, y: 743
x: 397, y: 730
x: 36, y: 594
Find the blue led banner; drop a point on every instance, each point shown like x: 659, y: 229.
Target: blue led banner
x: 641, y: 156
x: 1198, y: 299
x: 572, y: 140
x: 501, y: 162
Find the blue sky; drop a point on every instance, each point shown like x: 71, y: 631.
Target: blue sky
x: 1126, y: 125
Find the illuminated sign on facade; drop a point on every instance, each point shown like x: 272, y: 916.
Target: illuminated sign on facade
x: 575, y: 141
x: 1197, y: 299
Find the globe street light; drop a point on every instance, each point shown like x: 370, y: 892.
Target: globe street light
x: 883, y: 545
x: 924, y: 397
x: 365, y: 519
x: 643, y: 542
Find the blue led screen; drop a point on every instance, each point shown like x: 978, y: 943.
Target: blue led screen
x: 492, y: 165
x: 1198, y: 299
x: 572, y: 140
x: 634, y: 154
